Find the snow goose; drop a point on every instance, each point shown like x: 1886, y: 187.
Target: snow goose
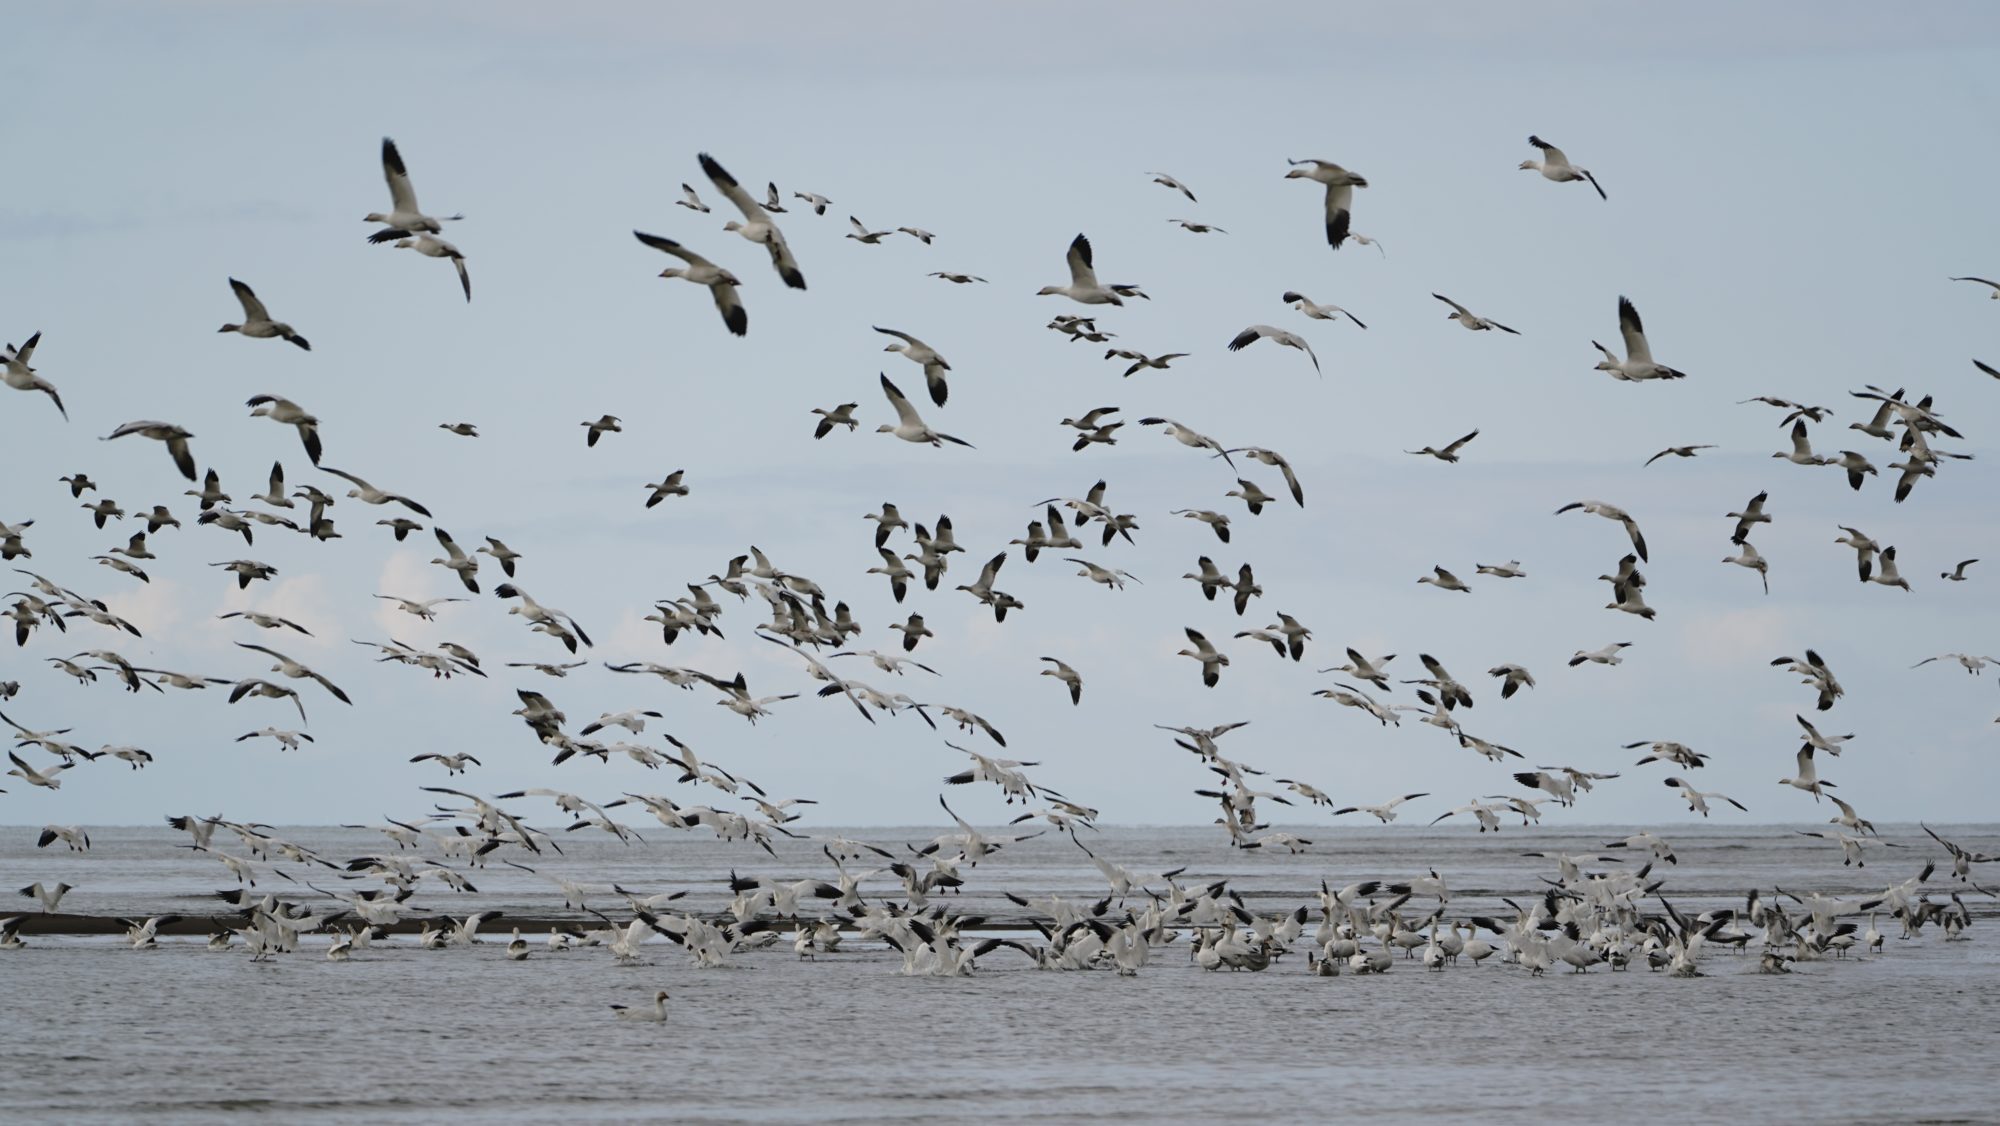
x: 296, y: 671
x: 756, y: 225
x: 453, y: 764
x: 1255, y: 333
x: 1885, y: 571
x: 1864, y: 549
x: 1305, y: 305
x: 1972, y: 662
x: 1340, y: 185
x: 1140, y: 360
x: 175, y: 438
x: 1512, y: 679
x: 1555, y: 166
x: 49, y: 897
x: 863, y: 235
x: 15, y: 372
x: 1166, y: 181
x: 918, y: 352
x: 909, y: 427
x: 720, y: 282
x: 1638, y: 364
x: 433, y: 247
x: 1186, y: 436
x: 1856, y: 465
x: 604, y: 424
x: 404, y: 217
x: 653, y: 1014
x: 841, y: 415
x: 669, y: 487
x: 1612, y: 512
x: 1807, y: 777
x: 456, y: 560
x: 1083, y: 286
x: 955, y: 278
x: 690, y: 199
x: 1198, y: 228
x: 1677, y: 451
x: 1751, y: 559
x: 369, y: 494
x: 1116, y: 579
x: 1361, y: 668
x: 287, y: 740
x: 1212, y: 662
x: 287, y: 413
x: 1449, y: 454
x: 1801, y: 452
x: 257, y: 320
x: 1445, y: 580
x: 817, y: 202
x: 773, y: 202
x: 1752, y: 515
x: 1508, y: 570
x: 1466, y: 318
x: 1385, y: 813
x: 45, y: 778
x: 1215, y: 520
x: 266, y: 621
x: 1068, y: 676
x: 1994, y: 286
x: 1989, y: 369
x: 1698, y: 800
x: 918, y: 233
x: 72, y: 837
x: 1816, y: 673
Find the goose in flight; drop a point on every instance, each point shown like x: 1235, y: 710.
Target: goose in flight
x: 296, y: 671
x: 1386, y: 812
x: 1962, y: 859
x: 425, y: 609
x: 1116, y: 579
x: 1212, y: 661
x: 1957, y: 574
x: 1555, y: 166
x: 369, y: 494
x: 257, y: 320
x: 918, y: 233
x: 431, y: 246
x: 1677, y: 451
x: 842, y: 415
x: 1068, y: 676
x: 1864, y: 549
x: 909, y: 427
x: 1814, y: 672
x: 1445, y: 580
x: 690, y: 199
x: 255, y: 686
x: 1340, y: 185
x: 1751, y: 559
x: 1973, y: 663
x: 1141, y: 361
x: 1305, y: 305
x: 15, y: 373
x: 1856, y: 465
x: 656, y: 1013
x: 287, y: 740
x: 44, y: 778
x: 1189, y: 437
x: 1807, y: 777
x: 49, y: 897
x: 1083, y: 286
x: 1994, y: 286
x: 456, y: 560
x: 1801, y: 452
x: 1361, y: 668
x: 604, y: 424
x: 756, y: 225
x: 174, y: 437
x: 1512, y: 679
x: 404, y: 217
x: 1609, y: 655
x: 669, y: 487
x: 1752, y: 515
x: 453, y: 764
x: 1448, y: 454
x: 1255, y: 333
x: 863, y: 235
x: 720, y: 282
x: 814, y: 200
x: 1698, y: 800
x: 266, y: 621
x: 1885, y: 571
x: 1612, y: 512
x: 955, y: 278
x: 918, y: 352
x: 1166, y: 181
x: 1466, y: 318
x: 1198, y: 228
x: 287, y: 413
x: 1638, y: 364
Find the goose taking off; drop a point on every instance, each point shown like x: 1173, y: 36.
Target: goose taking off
x: 257, y: 320
x: 756, y: 225
x: 15, y: 373
x: 1638, y: 363
x: 1255, y: 333
x: 1555, y: 166
x: 1340, y: 185
x: 1466, y: 318
x: 404, y: 217
x: 909, y: 427
x: 1083, y: 286
x: 720, y: 282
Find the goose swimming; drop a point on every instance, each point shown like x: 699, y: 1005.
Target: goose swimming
x: 654, y: 1014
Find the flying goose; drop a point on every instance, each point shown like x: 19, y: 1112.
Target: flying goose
x: 1885, y: 571
x: 431, y: 246
x: 1198, y: 228
x: 604, y: 424
x: 1801, y: 452
x: 404, y: 217
x: 1856, y: 465
x: 1956, y: 574
x: 1555, y: 166
x: 176, y: 440
x: 909, y: 427
x: 1445, y: 580
x: 1386, y: 812
x: 756, y: 225
x: 1994, y: 286
x: 918, y: 233
x: 720, y: 282
x: 1752, y: 515
x: 1512, y: 679
x: 453, y: 764
x: 1166, y: 181
x: 842, y: 415
x: 49, y: 897
x: 1116, y: 579
x: 1807, y: 777
x: 1255, y: 333
x: 1305, y: 305
x: 287, y: 413
x: 425, y: 609
x: 257, y: 320
x: 1612, y: 512
x: 1751, y: 559
x: 1140, y: 360
x: 15, y: 373
x: 456, y: 560
x: 1638, y: 363
x: 1677, y: 451
x: 918, y: 352
x: 1212, y: 661
x: 1508, y: 570
x: 690, y: 199
x: 1698, y: 800
x: 1215, y: 520
x: 669, y: 487
x: 1814, y: 672
x: 294, y: 670
x: 817, y: 202
x: 955, y: 278
x: 1605, y: 656
x: 1466, y: 318
x: 1188, y: 437
x: 863, y: 235
x: 1340, y: 185
x: 1449, y: 454
x: 369, y: 494
x: 44, y: 778
x: 1083, y: 286
x: 266, y: 621
x: 1068, y: 676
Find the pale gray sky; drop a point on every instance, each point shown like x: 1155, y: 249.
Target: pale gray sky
x: 1789, y: 189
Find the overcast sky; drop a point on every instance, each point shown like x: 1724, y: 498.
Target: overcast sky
x: 1787, y: 200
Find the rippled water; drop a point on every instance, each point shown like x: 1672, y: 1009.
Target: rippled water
x: 99, y: 1032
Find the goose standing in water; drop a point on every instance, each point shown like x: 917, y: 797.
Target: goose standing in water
x: 404, y: 218
x: 756, y: 225
x: 1555, y: 166
x: 909, y: 427
x: 720, y: 282
x: 257, y: 320
x: 1340, y: 185
x: 1638, y: 364
x: 15, y: 373
x: 1083, y: 286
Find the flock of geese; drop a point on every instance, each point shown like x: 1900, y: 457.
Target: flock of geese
x: 1597, y: 910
